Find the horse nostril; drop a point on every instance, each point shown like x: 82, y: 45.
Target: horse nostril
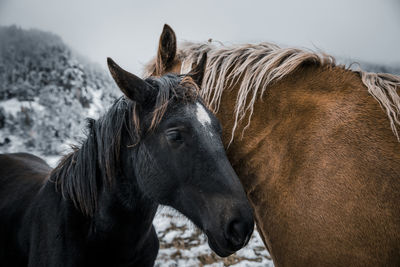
x: 237, y: 233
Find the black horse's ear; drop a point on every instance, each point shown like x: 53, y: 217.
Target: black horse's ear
x: 197, y: 73
x: 166, y: 50
x: 132, y: 86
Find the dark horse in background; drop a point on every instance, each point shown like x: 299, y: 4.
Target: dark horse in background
x: 156, y: 145
x: 317, y: 156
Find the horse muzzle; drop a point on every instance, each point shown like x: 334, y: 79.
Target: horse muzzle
x: 235, y: 235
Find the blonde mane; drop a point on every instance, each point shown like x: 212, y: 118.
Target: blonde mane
x: 259, y: 65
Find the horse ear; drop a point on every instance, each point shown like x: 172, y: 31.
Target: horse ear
x: 166, y: 50
x: 132, y: 86
x: 197, y: 73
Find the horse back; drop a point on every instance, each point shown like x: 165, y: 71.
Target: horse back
x: 21, y: 177
x: 21, y: 171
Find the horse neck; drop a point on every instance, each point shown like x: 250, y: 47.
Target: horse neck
x: 288, y: 114
x: 80, y: 179
x: 124, y: 205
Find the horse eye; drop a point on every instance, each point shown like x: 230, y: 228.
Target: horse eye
x: 175, y: 136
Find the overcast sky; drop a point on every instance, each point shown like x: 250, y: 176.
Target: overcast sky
x: 128, y: 30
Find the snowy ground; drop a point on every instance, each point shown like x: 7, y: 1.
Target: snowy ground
x: 182, y: 244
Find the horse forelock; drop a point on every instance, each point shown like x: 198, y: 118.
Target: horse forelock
x: 259, y: 65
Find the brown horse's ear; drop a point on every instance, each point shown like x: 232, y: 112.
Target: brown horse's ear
x: 132, y: 86
x: 166, y: 50
x: 197, y: 73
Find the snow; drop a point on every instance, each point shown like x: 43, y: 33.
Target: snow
x: 13, y: 105
x: 96, y: 106
x: 52, y: 160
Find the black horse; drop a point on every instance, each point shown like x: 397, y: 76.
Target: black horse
x: 158, y: 144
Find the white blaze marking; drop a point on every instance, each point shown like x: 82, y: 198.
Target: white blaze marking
x: 202, y: 115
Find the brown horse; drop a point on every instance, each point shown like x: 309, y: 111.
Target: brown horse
x: 314, y: 144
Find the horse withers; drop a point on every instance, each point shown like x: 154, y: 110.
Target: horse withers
x: 315, y: 145
x: 158, y: 144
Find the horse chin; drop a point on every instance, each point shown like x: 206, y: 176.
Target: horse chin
x: 217, y: 248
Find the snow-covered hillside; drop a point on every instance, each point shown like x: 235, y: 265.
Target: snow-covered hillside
x: 46, y: 92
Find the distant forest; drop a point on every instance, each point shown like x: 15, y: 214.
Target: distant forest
x: 46, y: 91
